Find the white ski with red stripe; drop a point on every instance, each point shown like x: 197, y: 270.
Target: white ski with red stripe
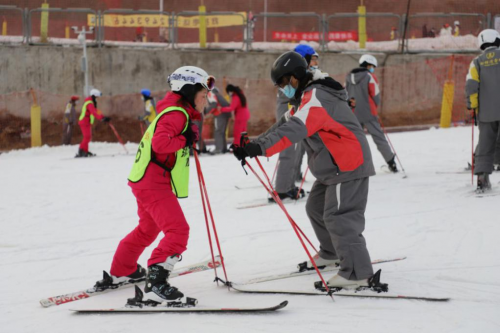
x: 83, y: 294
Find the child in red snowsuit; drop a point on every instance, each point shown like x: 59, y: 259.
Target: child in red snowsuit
x: 165, y: 142
x: 86, y: 120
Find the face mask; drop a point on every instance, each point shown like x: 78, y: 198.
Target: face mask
x: 371, y: 70
x: 313, y: 67
x: 289, y: 91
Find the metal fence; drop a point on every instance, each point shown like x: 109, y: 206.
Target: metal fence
x: 384, y: 35
x: 423, y: 32
x: 191, y: 34
x: 19, y: 27
x: 59, y: 37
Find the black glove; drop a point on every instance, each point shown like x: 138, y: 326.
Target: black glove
x: 106, y: 119
x: 250, y: 150
x: 191, y: 134
x: 239, y: 152
x: 253, y: 149
x: 139, y: 118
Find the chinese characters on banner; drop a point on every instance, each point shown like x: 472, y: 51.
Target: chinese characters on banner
x: 156, y: 20
x: 338, y: 36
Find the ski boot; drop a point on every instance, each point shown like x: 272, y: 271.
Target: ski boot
x: 320, y: 263
x: 112, y: 282
x: 292, y: 194
x: 157, y: 287
x: 392, y: 166
x: 337, y: 283
x: 81, y: 153
x: 483, y: 183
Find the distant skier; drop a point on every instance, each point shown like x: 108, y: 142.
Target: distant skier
x: 482, y: 89
x: 149, y: 108
x: 159, y: 176
x: 339, y: 157
x: 221, y: 120
x: 241, y: 113
x: 69, y: 120
x: 86, y: 120
x: 364, y: 94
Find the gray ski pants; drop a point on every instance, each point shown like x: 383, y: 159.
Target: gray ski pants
x: 337, y: 214
x: 220, y: 124
x: 298, y: 161
x: 287, y: 168
x: 497, y: 149
x: 485, y: 150
x: 375, y: 130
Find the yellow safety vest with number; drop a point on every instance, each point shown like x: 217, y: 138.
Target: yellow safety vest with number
x: 179, y: 174
x: 84, y: 110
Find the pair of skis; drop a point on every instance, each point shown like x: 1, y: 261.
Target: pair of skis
x: 247, y: 288
x: 178, y: 307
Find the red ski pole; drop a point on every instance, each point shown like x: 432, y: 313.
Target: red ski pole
x: 118, y: 136
x: 142, y: 128
x: 292, y: 222
x: 204, y: 195
x: 474, y: 123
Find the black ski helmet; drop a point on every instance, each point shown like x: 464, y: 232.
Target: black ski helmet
x: 289, y: 63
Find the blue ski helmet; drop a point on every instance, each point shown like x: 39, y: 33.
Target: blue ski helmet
x: 305, y: 50
x: 146, y: 92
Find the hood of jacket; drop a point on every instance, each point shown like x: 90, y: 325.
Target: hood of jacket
x: 323, y: 82
x: 357, y: 75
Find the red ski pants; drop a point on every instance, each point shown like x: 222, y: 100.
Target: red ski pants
x: 158, y: 210
x: 87, y: 136
x: 240, y: 125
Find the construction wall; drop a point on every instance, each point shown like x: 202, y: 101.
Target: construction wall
x: 411, y: 84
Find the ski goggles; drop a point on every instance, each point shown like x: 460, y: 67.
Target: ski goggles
x: 209, y: 82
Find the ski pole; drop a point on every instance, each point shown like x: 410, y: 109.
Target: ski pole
x: 275, y: 170
x: 142, y: 128
x: 302, y: 183
x: 472, y: 148
x: 204, y: 195
x: 293, y: 224
x: 118, y: 136
x: 394, y: 150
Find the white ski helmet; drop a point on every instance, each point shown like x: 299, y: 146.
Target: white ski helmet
x: 95, y: 92
x: 487, y: 36
x: 456, y: 23
x: 190, y: 75
x: 369, y: 59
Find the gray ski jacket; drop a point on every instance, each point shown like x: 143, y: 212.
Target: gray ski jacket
x: 363, y: 87
x: 335, y: 143
x: 482, y: 85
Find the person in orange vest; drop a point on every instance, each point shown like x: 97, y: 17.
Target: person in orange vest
x: 86, y: 120
x: 69, y: 120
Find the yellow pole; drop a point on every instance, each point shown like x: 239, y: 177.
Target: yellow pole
x: 203, y: 27
x: 4, y: 27
x: 36, y: 122
x: 448, y: 95
x: 44, y: 24
x: 66, y: 31
x: 216, y: 36
x: 362, y: 26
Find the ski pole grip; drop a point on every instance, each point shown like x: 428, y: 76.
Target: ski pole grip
x: 244, y: 139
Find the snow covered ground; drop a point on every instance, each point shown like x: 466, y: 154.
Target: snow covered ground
x: 61, y: 219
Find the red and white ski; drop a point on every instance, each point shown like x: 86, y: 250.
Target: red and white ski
x: 83, y: 294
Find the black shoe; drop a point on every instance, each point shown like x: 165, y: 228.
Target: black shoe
x: 292, y: 194
x: 392, y: 166
x: 157, y: 287
x: 113, y: 282
x: 81, y: 153
x: 483, y: 182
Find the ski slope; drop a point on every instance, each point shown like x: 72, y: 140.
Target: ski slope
x: 61, y: 219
